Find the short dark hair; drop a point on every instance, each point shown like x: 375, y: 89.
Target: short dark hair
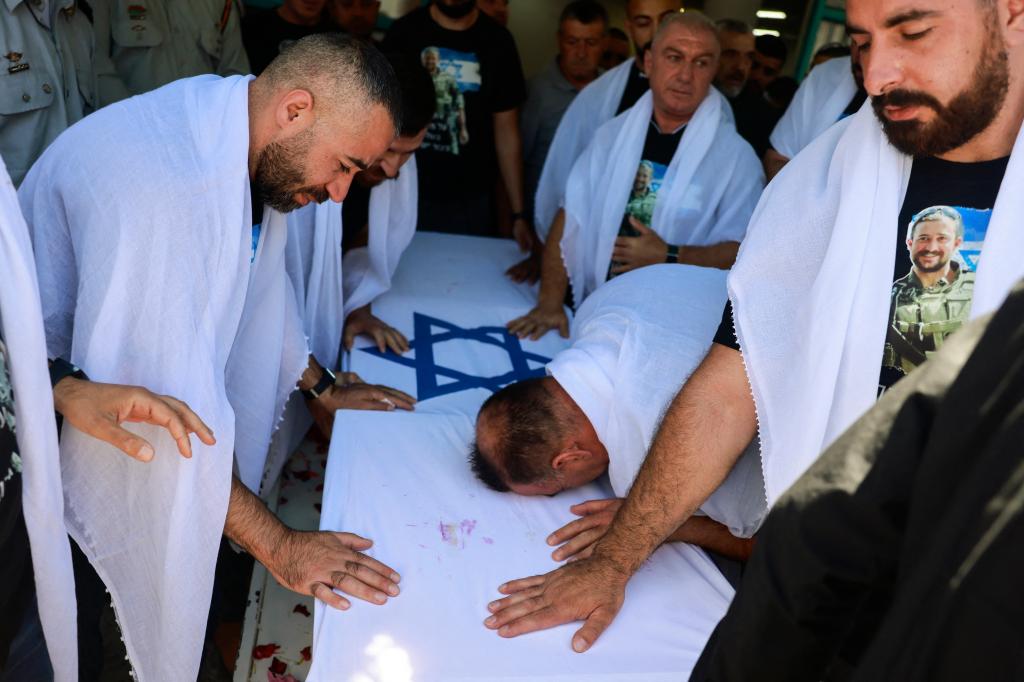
x: 833, y: 50
x: 529, y: 427
x: 585, y: 12
x: 419, y: 101
x: 771, y: 46
x: 617, y: 33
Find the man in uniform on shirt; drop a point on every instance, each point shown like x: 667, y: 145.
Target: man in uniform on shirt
x: 48, y: 82
x: 582, y: 29
x: 725, y: 183
x: 265, y: 34
x: 933, y: 300
x: 143, y: 45
x: 358, y: 18
x: 957, y: 120
x: 462, y: 157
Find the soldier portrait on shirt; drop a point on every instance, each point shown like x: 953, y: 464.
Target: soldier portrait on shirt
x: 453, y: 72
x: 933, y: 299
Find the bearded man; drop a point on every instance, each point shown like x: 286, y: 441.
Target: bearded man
x: 157, y: 269
x: 812, y: 286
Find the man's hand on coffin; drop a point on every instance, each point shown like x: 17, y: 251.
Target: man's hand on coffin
x: 522, y: 232
x: 318, y: 563
x: 636, y: 252
x: 579, y: 537
x: 539, y: 321
x: 99, y: 409
x: 591, y: 590
x: 355, y: 396
x: 526, y: 270
x: 362, y: 321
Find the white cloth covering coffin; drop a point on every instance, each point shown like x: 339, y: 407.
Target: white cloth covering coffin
x: 21, y: 322
x: 811, y: 287
x: 819, y: 102
x: 635, y: 342
x: 709, y: 191
x: 328, y: 287
x: 143, y: 250
x: 594, y: 106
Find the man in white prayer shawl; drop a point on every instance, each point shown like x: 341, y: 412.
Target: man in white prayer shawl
x: 31, y: 499
x: 831, y: 92
x: 595, y: 412
x: 669, y: 181
x: 812, y: 287
x: 377, y: 221
x: 153, y: 272
x: 612, y: 93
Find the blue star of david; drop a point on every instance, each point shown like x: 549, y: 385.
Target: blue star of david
x: 428, y: 371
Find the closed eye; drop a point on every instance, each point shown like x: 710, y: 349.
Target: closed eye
x: 918, y: 35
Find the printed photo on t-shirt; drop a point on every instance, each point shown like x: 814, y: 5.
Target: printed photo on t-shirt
x: 932, y: 299
x: 454, y: 73
x: 642, y: 198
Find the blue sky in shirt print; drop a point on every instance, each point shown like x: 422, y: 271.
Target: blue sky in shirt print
x: 659, y: 175
x: 463, y: 66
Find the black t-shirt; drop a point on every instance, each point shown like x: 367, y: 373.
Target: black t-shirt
x: 355, y: 215
x: 636, y: 85
x: 945, y: 214
x: 476, y: 74
x: 659, y: 148
x: 265, y: 33
x: 755, y: 119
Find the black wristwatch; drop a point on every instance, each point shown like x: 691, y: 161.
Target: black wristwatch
x: 61, y: 369
x: 673, y: 254
x: 518, y: 215
x: 327, y: 380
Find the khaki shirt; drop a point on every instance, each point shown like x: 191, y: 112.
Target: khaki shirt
x: 144, y: 44
x: 47, y: 81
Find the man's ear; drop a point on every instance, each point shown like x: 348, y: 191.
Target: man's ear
x: 571, y: 456
x: 294, y: 111
x: 1015, y: 22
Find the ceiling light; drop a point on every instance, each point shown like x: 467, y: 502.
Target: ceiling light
x: 766, y: 32
x: 770, y: 14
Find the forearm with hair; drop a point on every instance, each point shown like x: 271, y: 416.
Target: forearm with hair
x: 508, y: 144
x: 711, y: 535
x: 252, y: 526
x: 554, y: 280
x: 703, y: 434
x: 720, y: 256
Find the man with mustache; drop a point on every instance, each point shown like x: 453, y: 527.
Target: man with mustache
x: 812, y: 287
x: 582, y: 34
x: 154, y: 271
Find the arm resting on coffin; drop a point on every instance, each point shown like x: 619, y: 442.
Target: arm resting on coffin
x: 549, y: 313
x: 315, y: 563
x: 704, y: 432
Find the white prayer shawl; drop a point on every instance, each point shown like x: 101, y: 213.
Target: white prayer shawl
x: 635, y: 342
x: 328, y: 288
x: 143, y: 250
x: 21, y: 321
x: 594, y: 106
x: 368, y: 270
x: 819, y: 102
x: 811, y: 288
x: 707, y: 196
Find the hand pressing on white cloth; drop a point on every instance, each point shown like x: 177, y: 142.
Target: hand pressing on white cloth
x: 591, y: 590
x: 99, y: 409
x: 540, y: 321
x: 351, y: 393
x: 315, y: 563
x: 362, y: 321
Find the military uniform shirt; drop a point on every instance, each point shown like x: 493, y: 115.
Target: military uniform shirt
x: 47, y: 81
x: 143, y: 44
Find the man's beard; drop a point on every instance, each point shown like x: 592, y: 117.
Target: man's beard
x: 957, y: 123
x: 456, y: 11
x: 939, y: 265
x: 281, y: 172
x: 730, y: 90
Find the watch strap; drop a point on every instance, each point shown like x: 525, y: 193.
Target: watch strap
x: 61, y: 369
x: 673, y: 254
x: 327, y: 380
